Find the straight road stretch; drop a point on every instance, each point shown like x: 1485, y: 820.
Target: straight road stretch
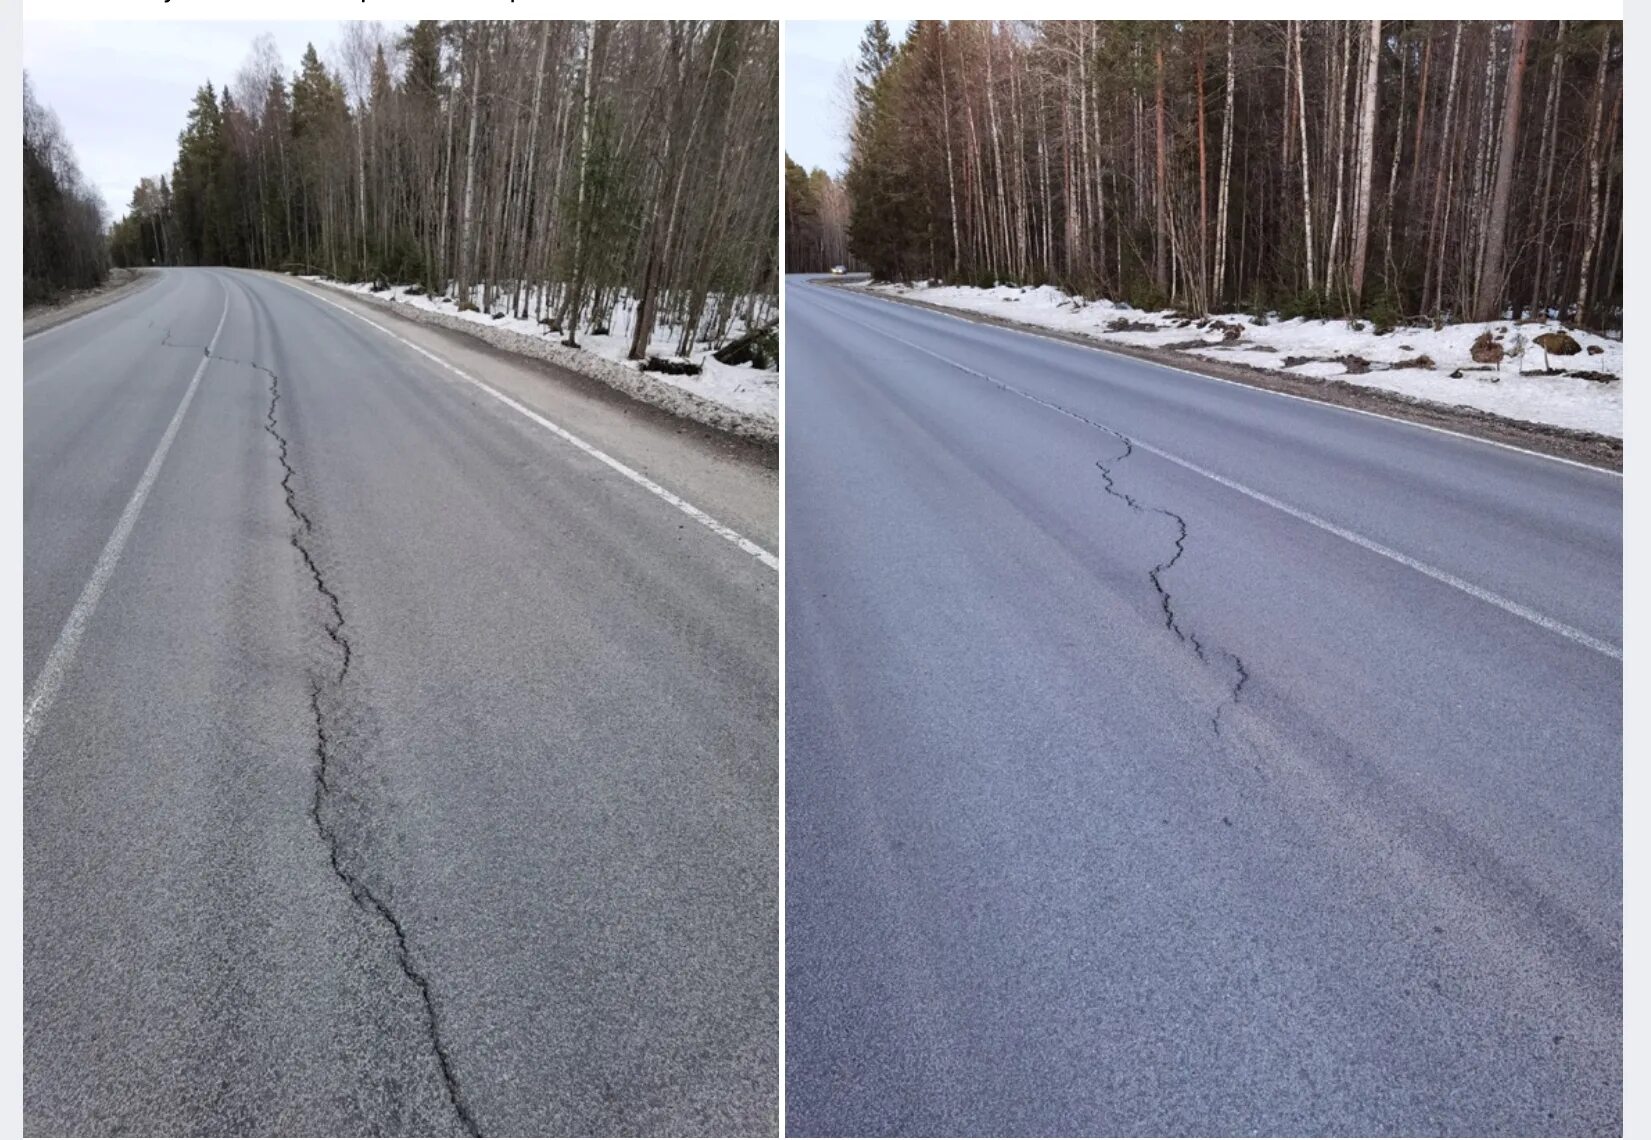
x: 1167, y: 756
x: 394, y: 763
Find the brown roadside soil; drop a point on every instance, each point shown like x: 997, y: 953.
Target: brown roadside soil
x: 1584, y: 447
x: 121, y: 283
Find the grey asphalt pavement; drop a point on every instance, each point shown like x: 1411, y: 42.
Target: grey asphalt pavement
x: 415, y: 771
x: 1166, y: 756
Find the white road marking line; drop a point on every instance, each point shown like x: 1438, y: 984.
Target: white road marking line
x: 62, y: 656
x: 635, y: 476
x: 1114, y: 353
x: 1357, y: 539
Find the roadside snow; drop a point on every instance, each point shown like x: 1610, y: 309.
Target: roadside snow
x: 1519, y: 389
x: 743, y: 388
x: 737, y: 385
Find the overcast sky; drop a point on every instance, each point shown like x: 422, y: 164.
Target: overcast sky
x: 123, y: 90
x: 816, y: 121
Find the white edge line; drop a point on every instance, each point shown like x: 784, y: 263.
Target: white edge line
x: 1357, y: 539
x: 761, y: 555
x: 978, y: 319
x: 62, y: 656
x: 1375, y: 547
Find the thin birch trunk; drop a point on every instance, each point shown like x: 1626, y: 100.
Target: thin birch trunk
x: 1220, y: 281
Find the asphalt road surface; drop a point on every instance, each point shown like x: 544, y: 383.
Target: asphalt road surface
x: 392, y: 764
x: 1168, y: 756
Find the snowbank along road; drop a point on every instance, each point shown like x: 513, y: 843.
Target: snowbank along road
x: 1166, y: 756
x: 400, y: 734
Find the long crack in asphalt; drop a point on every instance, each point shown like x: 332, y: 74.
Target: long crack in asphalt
x: 1166, y: 601
x: 1155, y: 575
x: 321, y: 686
x: 1172, y: 620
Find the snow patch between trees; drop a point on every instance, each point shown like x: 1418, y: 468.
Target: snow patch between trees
x: 1520, y: 388
x: 740, y: 399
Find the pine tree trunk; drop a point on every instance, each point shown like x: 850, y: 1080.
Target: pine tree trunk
x: 1160, y: 266
x: 1490, y: 267
x: 1083, y: 213
x: 361, y: 184
x: 1421, y: 121
x: 1202, y: 264
x: 465, y: 214
x: 1541, y: 295
x: 1434, y: 272
x: 647, y: 309
x: 524, y: 240
x: 997, y: 155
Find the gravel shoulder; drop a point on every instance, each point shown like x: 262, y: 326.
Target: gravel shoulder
x: 1583, y: 447
x: 121, y: 283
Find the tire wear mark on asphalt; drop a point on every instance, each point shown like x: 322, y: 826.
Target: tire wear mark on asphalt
x: 326, y: 790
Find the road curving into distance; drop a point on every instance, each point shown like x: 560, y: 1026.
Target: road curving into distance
x: 393, y: 763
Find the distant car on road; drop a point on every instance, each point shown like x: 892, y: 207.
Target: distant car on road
x: 838, y: 270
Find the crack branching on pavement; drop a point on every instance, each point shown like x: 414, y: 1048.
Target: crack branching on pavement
x: 326, y: 749
x: 1166, y: 600
x: 1233, y: 697
x: 168, y: 342
x: 1172, y: 620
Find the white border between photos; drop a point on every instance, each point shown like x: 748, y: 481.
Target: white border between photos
x: 779, y: 209
x: 11, y: 539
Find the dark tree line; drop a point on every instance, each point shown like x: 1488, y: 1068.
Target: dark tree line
x: 551, y: 168
x: 63, y: 239
x: 816, y: 221
x: 1406, y: 167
